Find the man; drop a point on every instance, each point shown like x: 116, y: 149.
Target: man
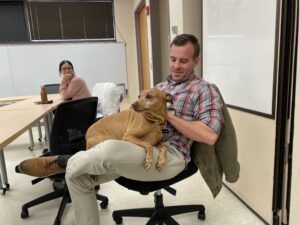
x: 197, y: 117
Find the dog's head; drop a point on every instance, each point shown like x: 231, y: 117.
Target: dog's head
x: 153, y: 104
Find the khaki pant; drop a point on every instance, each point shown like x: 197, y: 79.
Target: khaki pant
x: 111, y: 159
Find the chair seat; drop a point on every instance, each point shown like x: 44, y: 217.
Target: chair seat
x: 150, y: 186
x: 159, y: 214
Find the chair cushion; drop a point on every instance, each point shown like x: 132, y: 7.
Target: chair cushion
x: 149, y: 186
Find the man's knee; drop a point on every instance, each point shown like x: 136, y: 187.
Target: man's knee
x: 99, y: 154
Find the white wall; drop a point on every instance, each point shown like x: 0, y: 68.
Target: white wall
x: 6, y: 86
x: 164, y: 37
x: 186, y: 16
x: 176, y: 17
x: 25, y: 67
x: 192, y: 23
x: 125, y: 22
x: 256, y: 145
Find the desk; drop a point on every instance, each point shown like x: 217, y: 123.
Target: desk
x: 27, y: 102
x: 17, y: 118
x: 14, y: 99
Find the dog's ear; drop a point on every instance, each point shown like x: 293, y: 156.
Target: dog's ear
x: 169, y: 98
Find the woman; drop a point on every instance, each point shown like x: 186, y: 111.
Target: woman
x: 71, y: 86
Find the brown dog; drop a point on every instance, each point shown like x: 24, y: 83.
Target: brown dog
x: 142, y: 125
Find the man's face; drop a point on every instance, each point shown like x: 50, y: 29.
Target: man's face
x: 182, y: 62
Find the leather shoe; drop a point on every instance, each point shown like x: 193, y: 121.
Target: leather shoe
x: 40, y: 167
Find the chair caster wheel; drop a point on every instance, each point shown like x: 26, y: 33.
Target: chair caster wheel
x: 118, y: 219
x: 4, y: 191
x: 7, y: 186
x: 40, y: 139
x: 24, y: 213
x: 30, y: 148
x: 201, y: 215
x: 57, y: 222
x: 46, y: 152
x: 104, y: 203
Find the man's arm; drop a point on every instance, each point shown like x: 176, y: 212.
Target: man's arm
x: 195, y: 130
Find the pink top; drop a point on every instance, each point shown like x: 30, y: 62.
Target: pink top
x: 75, y: 88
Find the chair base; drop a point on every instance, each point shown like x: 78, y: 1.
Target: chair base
x: 159, y: 214
x: 66, y: 198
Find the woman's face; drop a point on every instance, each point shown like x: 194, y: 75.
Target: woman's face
x: 66, y: 69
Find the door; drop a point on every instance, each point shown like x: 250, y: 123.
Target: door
x: 142, y: 39
x: 285, y: 112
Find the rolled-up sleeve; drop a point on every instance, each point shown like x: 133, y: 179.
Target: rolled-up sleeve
x: 208, y: 108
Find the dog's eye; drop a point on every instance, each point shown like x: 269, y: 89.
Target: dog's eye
x: 149, y: 97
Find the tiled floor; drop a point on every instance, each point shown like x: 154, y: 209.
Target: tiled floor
x: 223, y: 210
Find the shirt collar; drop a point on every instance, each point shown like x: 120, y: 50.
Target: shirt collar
x: 175, y: 83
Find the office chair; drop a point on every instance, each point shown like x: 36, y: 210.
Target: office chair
x: 71, y: 121
x: 159, y: 214
x: 52, y: 88
x: 212, y: 161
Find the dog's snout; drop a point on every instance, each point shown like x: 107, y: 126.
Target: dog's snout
x: 133, y: 105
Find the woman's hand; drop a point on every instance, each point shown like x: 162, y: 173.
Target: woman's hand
x: 67, y: 76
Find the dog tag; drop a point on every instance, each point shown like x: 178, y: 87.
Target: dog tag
x: 165, y: 131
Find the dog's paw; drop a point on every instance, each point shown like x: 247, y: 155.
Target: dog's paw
x: 160, y: 164
x: 147, y: 164
x: 95, y: 177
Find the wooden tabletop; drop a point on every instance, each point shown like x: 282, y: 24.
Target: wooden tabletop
x: 31, y: 103
x: 15, y: 99
x: 18, y: 117
x: 16, y: 122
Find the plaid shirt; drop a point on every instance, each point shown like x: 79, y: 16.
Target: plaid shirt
x: 193, y: 99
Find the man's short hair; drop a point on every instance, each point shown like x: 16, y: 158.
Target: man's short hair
x: 183, y: 39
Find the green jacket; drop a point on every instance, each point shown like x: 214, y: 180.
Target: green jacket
x: 215, y: 160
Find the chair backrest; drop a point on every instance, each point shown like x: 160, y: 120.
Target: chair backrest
x: 109, y: 98
x: 52, y: 88
x: 70, y: 123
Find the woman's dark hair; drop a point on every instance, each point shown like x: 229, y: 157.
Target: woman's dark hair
x: 183, y: 39
x: 64, y: 62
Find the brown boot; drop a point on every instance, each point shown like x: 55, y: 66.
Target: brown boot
x: 40, y: 167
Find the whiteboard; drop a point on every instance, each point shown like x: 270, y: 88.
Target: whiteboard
x: 24, y: 68
x: 6, y: 86
x: 239, y: 51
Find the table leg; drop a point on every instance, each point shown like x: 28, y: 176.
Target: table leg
x: 4, y: 180
x: 31, y: 146
x: 2, y: 186
x: 47, y: 129
x: 50, y: 120
x: 40, y: 131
